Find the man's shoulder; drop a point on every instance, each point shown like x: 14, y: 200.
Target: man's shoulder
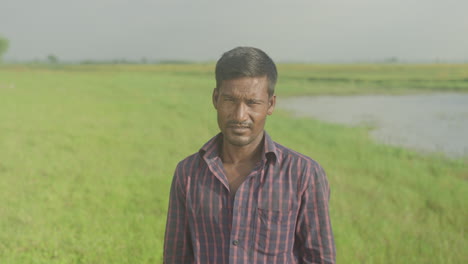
x: 190, y: 161
x: 306, y: 169
x: 194, y: 161
x: 288, y: 155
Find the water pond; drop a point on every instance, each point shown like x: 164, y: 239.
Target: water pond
x: 428, y: 123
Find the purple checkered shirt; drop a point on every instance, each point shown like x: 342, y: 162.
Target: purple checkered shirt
x: 279, y: 213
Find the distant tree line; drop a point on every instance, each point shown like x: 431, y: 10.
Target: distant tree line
x: 4, y: 44
x: 127, y: 61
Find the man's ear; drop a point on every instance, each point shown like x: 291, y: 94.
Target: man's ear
x: 271, y: 104
x: 215, y: 98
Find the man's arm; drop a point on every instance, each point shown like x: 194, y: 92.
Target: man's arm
x: 314, y: 237
x: 177, y: 243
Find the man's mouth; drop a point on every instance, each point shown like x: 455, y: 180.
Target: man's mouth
x: 239, y: 124
x: 239, y: 129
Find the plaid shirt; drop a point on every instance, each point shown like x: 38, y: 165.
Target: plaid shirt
x: 279, y: 213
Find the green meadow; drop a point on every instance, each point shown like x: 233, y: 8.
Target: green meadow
x: 87, y: 154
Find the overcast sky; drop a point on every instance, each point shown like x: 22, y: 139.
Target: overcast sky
x: 201, y: 30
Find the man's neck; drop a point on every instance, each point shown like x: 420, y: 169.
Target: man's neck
x: 232, y: 154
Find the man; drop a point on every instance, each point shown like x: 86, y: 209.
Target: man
x: 244, y: 198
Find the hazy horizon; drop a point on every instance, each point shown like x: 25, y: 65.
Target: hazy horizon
x: 295, y: 31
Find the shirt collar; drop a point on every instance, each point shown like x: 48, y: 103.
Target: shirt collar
x: 211, y: 148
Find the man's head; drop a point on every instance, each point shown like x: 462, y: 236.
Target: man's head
x: 244, y: 94
x: 246, y: 62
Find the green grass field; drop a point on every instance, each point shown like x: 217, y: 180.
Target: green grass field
x: 87, y: 155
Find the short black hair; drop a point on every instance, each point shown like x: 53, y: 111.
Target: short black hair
x: 246, y: 62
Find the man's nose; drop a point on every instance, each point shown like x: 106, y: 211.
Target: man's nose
x: 241, y: 112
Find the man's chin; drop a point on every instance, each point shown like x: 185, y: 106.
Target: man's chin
x: 238, y: 140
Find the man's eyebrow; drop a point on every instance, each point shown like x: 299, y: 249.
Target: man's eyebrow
x: 253, y: 100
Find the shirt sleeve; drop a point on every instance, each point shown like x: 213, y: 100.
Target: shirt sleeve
x: 177, y: 241
x: 314, y: 241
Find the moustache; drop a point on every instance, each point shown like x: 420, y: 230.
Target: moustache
x: 239, y: 124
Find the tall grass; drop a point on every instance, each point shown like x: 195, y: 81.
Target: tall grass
x: 87, y: 155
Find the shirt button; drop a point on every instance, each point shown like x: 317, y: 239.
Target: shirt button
x: 235, y: 242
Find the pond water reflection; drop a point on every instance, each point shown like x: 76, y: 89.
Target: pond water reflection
x: 429, y: 122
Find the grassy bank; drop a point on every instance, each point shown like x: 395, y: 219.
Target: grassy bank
x: 87, y: 155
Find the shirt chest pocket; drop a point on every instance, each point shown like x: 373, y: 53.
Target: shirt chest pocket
x: 275, y: 231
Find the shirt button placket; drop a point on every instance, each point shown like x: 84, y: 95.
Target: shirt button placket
x: 235, y: 242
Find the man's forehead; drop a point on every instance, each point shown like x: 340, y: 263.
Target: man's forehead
x: 248, y: 79
x: 246, y: 85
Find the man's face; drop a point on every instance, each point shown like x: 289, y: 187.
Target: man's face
x: 243, y: 105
